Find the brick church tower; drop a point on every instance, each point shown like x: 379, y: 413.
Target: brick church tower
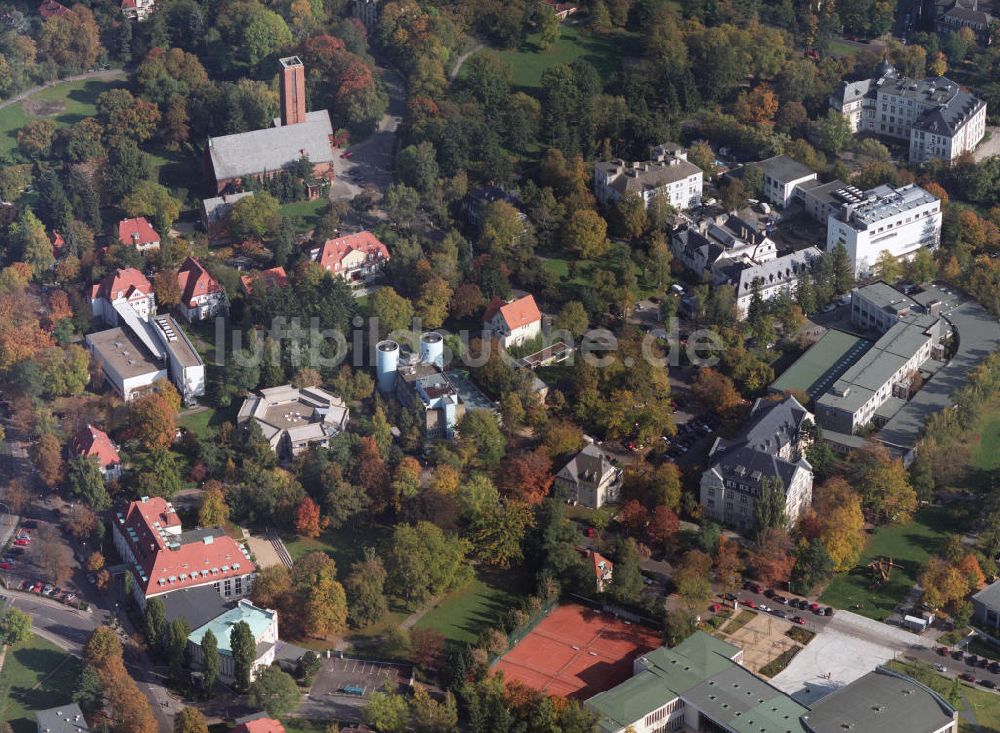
x: 293, y: 91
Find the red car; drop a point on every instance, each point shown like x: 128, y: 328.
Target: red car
x: 750, y: 603
x: 967, y: 677
x: 755, y: 588
x: 37, y: 587
x: 798, y: 620
x: 814, y: 607
x: 942, y: 651
x: 22, y: 542
x: 6, y: 565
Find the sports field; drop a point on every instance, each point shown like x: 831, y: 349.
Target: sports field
x: 577, y: 652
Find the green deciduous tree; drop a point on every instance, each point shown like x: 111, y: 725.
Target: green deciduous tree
x: 85, y: 481
x: 255, y: 217
x: 586, y: 234
x: 769, y: 507
x: 15, y: 626
x: 274, y: 691
x: 155, y: 621
x: 423, y: 562
x: 210, y: 661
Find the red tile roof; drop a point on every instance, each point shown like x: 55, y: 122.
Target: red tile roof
x: 52, y: 9
x: 194, y: 281
x: 515, y: 314
x: 93, y: 442
x: 260, y: 725
x: 333, y: 251
x: 137, y: 231
x: 122, y: 283
x: 165, y: 561
x: 276, y: 276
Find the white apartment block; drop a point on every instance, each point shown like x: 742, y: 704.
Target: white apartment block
x: 936, y: 117
x: 668, y: 174
x: 901, y: 220
x: 910, y: 336
x: 781, y: 177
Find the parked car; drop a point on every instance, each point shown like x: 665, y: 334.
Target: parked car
x: 942, y: 651
x: 22, y: 542
x: 764, y: 608
x: 37, y: 588
x: 769, y: 593
x: 729, y: 597
x: 781, y: 599
x: 798, y: 620
x: 750, y: 603
x: 967, y: 677
x: 995, y: 667
x: 25, y: 585
x: 828, y: 611
x: 715, y: 607
x: 972, y: 660
x: 47, y: 590
x: 940, y: 668
x: 755, y: 588
x: 6, y: 565
x: 779, y: 613
x: 988, y: 684
x: 957, y: 654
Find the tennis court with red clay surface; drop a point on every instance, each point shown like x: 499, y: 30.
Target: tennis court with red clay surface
x: 577, y: 652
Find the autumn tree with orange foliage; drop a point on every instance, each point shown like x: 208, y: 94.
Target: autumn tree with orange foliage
x: 151, y: 418
x: 841, y: 523
x: 308, y: 521
x: 771, y: 557
x: 21, y: 332
x: 372, y: 474
x: 728, y: 565
x: 527, y: 476
x: 716, y: 391
x: 634, y: 518
x: 663, y: 526
x: 125, y: 709
x: 47, y: 455
x: 757, y: 107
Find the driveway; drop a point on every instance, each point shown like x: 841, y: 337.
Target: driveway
x: 988, y: 148
x: 372, y: 159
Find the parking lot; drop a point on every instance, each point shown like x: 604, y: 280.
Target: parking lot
x: 343, y: 685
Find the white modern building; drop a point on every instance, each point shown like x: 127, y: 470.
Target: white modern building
x: 781, y: 176
x: 934, y: 115
x: 898, y: 220
x: 772, y: 446
x: 139, y: 352
x: 668, y: 174
x: 880, y: 381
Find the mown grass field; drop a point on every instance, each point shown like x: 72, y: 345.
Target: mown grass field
x: 909, y: 545
x: 36, y: 675
x: 308, y: 212
x: 605, y: 53
x: 63, y: 103
x: 464, y: 614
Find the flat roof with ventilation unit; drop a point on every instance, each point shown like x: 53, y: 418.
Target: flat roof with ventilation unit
x: 123, y: 353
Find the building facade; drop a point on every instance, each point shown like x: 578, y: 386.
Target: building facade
x: 356, y: 258
x: 201, y: 294
x: 900, y: 221
x: 590, y: 479
x: 933, y: 115
x: 771, y: 448
x: 263, y: 625
x: 138, y: 233
x: 125, y: 286
x: 94, y: 443
x: 162, y: 557
x: 781, y: 177
x: 514, y: 322
x: 886, y: 371
x: 668, y: 174
x: 259, y: 154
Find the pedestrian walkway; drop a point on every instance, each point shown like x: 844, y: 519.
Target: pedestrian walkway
x: 279, y: 548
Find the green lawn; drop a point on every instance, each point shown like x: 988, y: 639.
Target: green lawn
x: 984, y: 704
x: 307, y: 211
x: 842, y: 48
x: 64, y: 104
x: 985, y: 440
x: 463, y: 615
x: 344, y: 545
x: 529, y: 61
x: 200, y: 422
x: 36, y: 675
x: 909, y: 545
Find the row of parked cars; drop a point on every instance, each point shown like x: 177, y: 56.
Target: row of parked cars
x: 47, y: 589
x: 800, y: 603
x: 22, y: 541
x: 690, y: 433
x: 973, y: 661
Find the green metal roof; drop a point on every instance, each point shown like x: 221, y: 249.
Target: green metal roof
x: 816, y: 370
x: 258, y: 619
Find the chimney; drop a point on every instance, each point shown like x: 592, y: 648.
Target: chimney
x: 293, y: 91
